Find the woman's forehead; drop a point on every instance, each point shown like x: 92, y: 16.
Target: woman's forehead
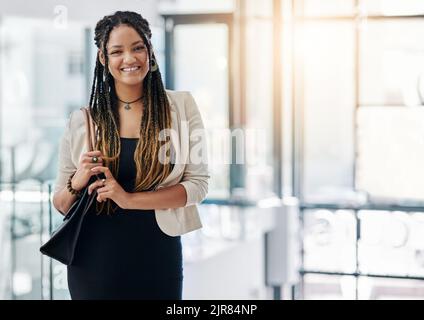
x: 124, y: 35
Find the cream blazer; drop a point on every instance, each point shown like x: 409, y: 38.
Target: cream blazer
x: 193, y: 175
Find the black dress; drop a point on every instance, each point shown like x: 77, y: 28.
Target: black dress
x: 126, y: 255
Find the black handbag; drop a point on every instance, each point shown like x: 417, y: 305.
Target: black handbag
x: 63, y: 241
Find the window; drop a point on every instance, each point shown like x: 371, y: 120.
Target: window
x: 37, y: 95
x: 75, y: 63
x: 329, y: 240
x: 325, y: 66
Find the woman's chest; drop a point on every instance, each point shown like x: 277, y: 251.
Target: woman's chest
x: 129, y: 124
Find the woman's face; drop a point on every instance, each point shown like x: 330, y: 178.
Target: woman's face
x: 128, y: 56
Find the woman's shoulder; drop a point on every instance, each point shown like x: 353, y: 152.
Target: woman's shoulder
x: 182, y: 100
x: 76, y: 120
x: 174, y: 93
x: 75, y: 125
x: 176, y: 97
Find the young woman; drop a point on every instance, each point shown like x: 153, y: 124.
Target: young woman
x: 130, y: 245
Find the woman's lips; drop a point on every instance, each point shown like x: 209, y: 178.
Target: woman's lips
x: 131, y: 69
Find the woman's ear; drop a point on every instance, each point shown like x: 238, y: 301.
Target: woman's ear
x: 101, y: 57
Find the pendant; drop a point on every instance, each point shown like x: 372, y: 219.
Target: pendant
x: 127, y: 106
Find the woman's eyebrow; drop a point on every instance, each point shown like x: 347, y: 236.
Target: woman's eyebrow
x: 120, y: 46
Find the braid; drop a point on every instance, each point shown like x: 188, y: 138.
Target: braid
x: 104, y: 109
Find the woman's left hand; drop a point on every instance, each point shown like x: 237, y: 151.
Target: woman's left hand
x: 108, y: 188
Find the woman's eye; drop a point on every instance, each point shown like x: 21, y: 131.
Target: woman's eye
x: 139, y: 48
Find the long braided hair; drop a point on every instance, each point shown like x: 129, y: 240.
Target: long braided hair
x: 104, y: 109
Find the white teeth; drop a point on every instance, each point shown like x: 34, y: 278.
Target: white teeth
x: 130, y: 69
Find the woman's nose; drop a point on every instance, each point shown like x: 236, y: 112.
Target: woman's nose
x: 128, y: 58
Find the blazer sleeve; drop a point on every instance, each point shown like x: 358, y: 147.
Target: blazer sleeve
x: 65, y: 165
x: 196, y: 175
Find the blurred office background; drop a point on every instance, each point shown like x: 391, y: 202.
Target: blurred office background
x: 326, y: 97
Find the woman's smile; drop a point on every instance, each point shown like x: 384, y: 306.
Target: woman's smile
x: 131, y: 69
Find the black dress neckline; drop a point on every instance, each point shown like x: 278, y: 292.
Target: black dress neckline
x: 128, y: 138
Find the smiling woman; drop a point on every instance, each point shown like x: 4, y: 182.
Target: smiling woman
x: 130, y: 245
x: 128, y: 58
x: 128, y: 63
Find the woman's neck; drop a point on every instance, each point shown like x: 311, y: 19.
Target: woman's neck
x: 128, y: 93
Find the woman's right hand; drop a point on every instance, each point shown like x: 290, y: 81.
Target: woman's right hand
x: 84, y: 173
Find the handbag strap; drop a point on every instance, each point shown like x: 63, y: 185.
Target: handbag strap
x: 91, y: 139
x: 90, y: 130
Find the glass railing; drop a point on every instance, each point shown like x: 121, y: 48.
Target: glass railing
x: 366, y: 251
x: 27, y: 218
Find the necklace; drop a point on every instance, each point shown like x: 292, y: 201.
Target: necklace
x: 127, y: 103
